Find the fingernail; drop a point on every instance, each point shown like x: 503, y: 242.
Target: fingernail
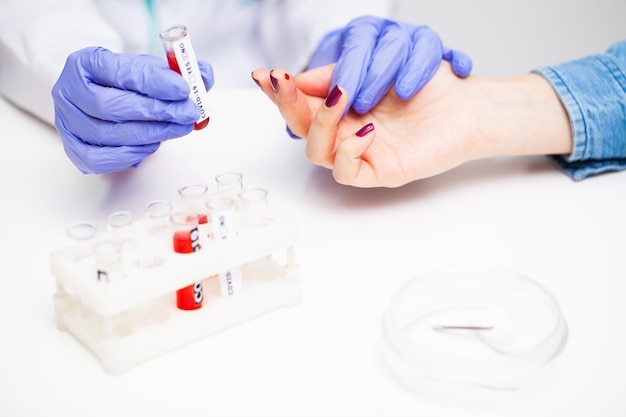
x: 365, y: 130
x: 255, y: 80
x: 274, y: 81
x: 333, y: 97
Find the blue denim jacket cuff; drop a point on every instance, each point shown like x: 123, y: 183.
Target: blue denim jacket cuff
x: 593, y: 92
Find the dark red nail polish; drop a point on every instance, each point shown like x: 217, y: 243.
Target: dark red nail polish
x: 286, y: 76
x: 255, y: 80
x: 365, y: 130
x: 333, y: 97
x: 274, y: 82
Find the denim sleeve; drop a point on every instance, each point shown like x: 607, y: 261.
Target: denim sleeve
x: 593, y: 92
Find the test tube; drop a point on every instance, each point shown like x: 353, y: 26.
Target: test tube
x: 158, y: 214
x: 185, y: 239
x: 255, y: 214
x: 152, y: 239
x: 182, y: 59
x: 230, y: 184
x: 223, y: 218
x: 254, y: 207
x: 82, y: 230
x: 194, y: 196
x: 119, y: 224
x: 108, y: 260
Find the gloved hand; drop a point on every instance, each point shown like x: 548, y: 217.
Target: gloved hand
x: 373, y: 54
x: 113, y: 110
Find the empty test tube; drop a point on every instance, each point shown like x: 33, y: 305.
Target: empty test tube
x: 229, y: 184
x: 153, y: 238
x: 119, y: 224
x: 82, y: 231
x: 223, y: 217
x: 254, y: 207
x: 108, y: 260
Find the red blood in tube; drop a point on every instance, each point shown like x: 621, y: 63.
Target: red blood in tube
x: 201, y: 125
x: 190, y: 297
x: 182, y: 242
x: 171, y: 60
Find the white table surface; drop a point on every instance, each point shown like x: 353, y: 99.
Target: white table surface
x: 356, y: 247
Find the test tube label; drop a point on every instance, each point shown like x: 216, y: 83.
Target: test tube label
x: 103, y: 275
x: 231, y: 282
x: 223, y: 224
x: 190, y: 71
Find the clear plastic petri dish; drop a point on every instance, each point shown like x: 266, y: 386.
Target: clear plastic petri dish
x: 472, y: 336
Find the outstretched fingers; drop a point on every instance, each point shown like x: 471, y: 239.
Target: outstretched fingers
x: 280, y: 86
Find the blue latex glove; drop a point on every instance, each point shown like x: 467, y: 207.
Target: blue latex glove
x: 373, y: 54
x: 113, y: 110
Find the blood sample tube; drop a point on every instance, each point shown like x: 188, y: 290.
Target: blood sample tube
x: 186, y: 239
x: 182, y: 59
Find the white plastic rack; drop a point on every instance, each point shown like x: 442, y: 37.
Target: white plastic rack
x: 132, y: 316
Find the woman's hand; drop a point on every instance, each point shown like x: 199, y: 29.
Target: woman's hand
x: 396, y: 142
x: 450, y: 121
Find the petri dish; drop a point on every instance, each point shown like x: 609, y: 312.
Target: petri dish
x: 473, y: 336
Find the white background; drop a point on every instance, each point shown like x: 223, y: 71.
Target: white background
x: 506, y: 37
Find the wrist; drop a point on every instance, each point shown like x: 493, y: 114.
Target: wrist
x: 521, y: 115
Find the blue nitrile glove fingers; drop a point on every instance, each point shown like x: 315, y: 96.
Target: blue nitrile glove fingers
x: 328, y: 50
x: 73, y: 124
x: 207, y: 74
x: 144, y: 88
x: 94, y: 159
x: 368, y: 51
x: 352, y: 66
x: 359, y: 41
x: 461, y: 62
x: 424, y: 58
x: 113, y: 110
x: 389, y: 56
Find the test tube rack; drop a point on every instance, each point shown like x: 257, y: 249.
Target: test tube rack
x: 134, y: 317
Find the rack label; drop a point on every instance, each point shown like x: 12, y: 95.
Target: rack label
x: 230, y: 282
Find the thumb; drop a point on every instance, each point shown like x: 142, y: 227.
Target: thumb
x: 349, y: 167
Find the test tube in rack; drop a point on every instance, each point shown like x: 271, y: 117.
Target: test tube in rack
x: 116, y: 319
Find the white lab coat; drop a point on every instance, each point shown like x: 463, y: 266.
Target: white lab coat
x: 235, y: 36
